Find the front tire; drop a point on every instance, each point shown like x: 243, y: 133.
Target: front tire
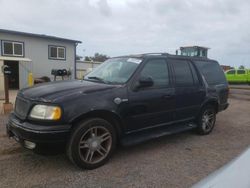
x: 206, y: 120
x: 92, y: 143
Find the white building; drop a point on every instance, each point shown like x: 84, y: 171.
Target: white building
x: 83, y: 67
x: 32, y: 53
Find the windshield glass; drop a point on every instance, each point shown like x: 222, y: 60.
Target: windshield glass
x: 114, y: 71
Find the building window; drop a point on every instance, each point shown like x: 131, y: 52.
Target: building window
x: 11, y: 48
x: 57, y: 52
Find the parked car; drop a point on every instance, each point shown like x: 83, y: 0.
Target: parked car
x: 125, y: 100
x: 240, y: 76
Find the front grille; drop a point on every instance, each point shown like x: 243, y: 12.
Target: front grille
x: 21, y: 107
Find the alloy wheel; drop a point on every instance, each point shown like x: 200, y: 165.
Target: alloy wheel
x: 95, y: 144
x: 208, y: 120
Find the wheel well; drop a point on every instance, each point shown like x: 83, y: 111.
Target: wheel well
x: 111, y: 117
x: 212, y: 103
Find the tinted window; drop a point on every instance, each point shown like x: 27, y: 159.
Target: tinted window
x: 241, y: 72
x: 212, y: 72
x: 194, y: 73
x: 158, y: 71
x: 183, y: 74
x: 231, y: 72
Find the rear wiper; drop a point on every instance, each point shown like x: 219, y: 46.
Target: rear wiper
x: 96, y: 78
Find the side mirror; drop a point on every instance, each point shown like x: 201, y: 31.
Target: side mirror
x: 145, y: 82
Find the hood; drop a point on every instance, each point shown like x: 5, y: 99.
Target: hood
x: 61, y: 90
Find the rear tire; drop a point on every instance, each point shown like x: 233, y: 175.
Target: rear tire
x: 92, y: 143
x: 206, y: 120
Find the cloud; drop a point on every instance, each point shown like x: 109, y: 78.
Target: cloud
x: 104, y: 7
x: 135, y: 26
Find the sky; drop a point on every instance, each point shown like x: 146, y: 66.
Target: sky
x: 122, y: 27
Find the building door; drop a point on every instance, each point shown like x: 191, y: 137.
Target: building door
x: 14, y: 77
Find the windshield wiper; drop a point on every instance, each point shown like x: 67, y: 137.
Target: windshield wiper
x: 96, y: 78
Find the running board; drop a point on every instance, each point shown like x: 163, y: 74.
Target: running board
x: 136, y: 138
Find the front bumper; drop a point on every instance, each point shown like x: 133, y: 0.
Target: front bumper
x: 22, y: 131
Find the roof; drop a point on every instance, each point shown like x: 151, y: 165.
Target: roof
x: 15, y: 59
x: 163, y: 55
x: 38, y: 35
x: 194, y: 47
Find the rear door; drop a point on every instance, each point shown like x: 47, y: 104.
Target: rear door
x: 151, y: 106
x: 189, y: 92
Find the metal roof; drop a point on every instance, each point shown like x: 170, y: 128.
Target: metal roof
x: 38, y: 35
x: 194, y: 47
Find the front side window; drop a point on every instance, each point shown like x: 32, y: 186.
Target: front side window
x: 11, y: 48
x: 114, y: 71
x: 57, y: 52
x: 183, y: 74
x: 157, y: 70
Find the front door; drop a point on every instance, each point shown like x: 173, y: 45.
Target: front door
x: 14, y: 76
x: 151, y: 106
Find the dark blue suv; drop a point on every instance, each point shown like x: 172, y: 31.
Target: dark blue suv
x: 125, y: 100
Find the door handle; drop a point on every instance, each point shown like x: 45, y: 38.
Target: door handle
x: 167, y: 96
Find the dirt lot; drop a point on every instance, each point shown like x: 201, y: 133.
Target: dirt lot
x: 173, y: 161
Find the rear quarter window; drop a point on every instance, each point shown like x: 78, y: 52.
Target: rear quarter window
x: 212, y: 72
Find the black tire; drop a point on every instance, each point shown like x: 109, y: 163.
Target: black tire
x: 205, y: 124
x: 94, y: 146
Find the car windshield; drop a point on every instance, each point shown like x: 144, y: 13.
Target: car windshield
x: 114, y: 71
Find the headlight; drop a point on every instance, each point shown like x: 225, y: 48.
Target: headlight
x: 46, y: 112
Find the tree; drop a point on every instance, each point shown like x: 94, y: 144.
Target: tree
x: 100, y: 57
x: 241, y: 67
x: 87, y: 58
x: 97, y: 57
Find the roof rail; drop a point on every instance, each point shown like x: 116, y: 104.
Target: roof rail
x: 155, y: 54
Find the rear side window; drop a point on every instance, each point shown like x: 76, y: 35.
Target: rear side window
x: 241, y: 72
x: 212, y: 72
x: 183, y: 74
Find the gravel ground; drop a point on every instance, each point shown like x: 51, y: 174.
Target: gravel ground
x: 172, y: 161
